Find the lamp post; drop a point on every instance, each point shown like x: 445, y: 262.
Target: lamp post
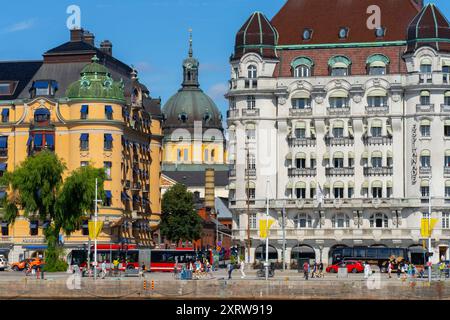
x: 429, y: 233
x: 248, y: 201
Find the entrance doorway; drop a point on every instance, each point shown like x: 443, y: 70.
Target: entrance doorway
x: 443, y: 253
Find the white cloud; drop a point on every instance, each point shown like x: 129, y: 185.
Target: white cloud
x: 218, y: 91
x: 20, y: 26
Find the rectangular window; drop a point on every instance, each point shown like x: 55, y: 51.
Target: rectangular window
x: 301, y: 103
x: 34, y: 228
x: 85, y: 228
x: 300, y: 133
x: 377, y: 71
x: 338, y: 102
x: 389, y: 192
x: 425, y: 68
x: 251, y: 102
x: 425, y: 161
x: 84, y: 163
x: 447, y: 131
x: 5, y: 89
x: 375, y: 131
x: 251, y: 134
x: 5, y: 228
x: 377, y: 192
x: 339, y: 72
x: 338, y: 193
x: 377, y: 101
x: 251, y: 193
x: 351, y: 162
x: 84, y: 112
x: 107, y: 166
x: 425, y: 130
x: 377, y: 162
x: 5, y: 115
x: 300, y: 193
x: 350, y: 192
x: 338, y: 132
x: 447, y: 192
x: 445, y: 220
x: 186, y: 154
x: 425, y: 100
x: 312, y: 193
x: 109, y: 112
x: 84, y: 141
x: 252, y: 220
x: 313, y: 163
x: 447, y: 161
x: 338, y: 162
x: 300, y: 163
x: 108, y: 139
x: 108, y: 199
x: 425, y: 192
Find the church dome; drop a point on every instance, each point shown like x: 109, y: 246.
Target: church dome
x: 256, y: 35
x: 190, y: 104
x: 429, y: 28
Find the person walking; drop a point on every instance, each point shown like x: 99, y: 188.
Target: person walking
x: 242, y: 269
x: 441, y: 269
x: 389, y: 269
x: 230, y: 270
x: 103, y: 269
x: 314, y: 270
x: 367, y: 270
x: 306, y: 270
x: 399, y: 270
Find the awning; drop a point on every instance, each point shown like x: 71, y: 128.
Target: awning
x: 389, y: 184
x: 377, y: 154
x: 250, y: 126
x: 338, y: 155
x: 339, y: 94
x: 5, y: 112
x: 326, y: 155
x: 300, y: 185
x: 377, y: 184
x: 447, y: 183
x: 326, y: 185
x: 445, y: 63
x: 301, y: 94
x: 377, y: 64
x: 425, y: 122
x: 300, y: 125
x: 289, y: 156
x: 351, y: 184
x: 424, y: 93
x: 339, y: 62
x: 377, y: 93
x: 338, y: 124
x: 232, y: 186
x: 447, y: 94
x: 447, y: 154
x: 302, y: 61
x: 376, y: 123
x: 84, y: 137
x: 426, y: 61
x: 300, y: 155
x: 390, y: 154
x: 365, y: 155
x: 84, y: 108
x: 351, y: 155
x: 289, y: 185
x: 3, y: 142
x: 251, y: 185
x: 425, y: 153
x: 447, y: 122
x: 108, y: 137
x: 312, y: 185
x: 365, y: 185
x: 312, y: 155
x: 338, y: 184
x: 108, y: 109
x: 350, y: 131
x: 425, y: 183
x: 377, y: 58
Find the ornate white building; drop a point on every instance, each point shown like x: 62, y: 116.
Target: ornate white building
x: 320, y: 101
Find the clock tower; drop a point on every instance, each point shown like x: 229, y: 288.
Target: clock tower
x: 190, y: 68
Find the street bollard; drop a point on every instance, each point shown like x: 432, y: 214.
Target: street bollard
x: 153, y: 285
x: 145, y: 284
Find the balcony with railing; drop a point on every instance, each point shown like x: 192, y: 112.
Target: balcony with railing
x: 377, y: 109
x: 378, y: 140
x: 233, y: 113
x: 445, y: 108
x: 339, y: 171
x: 426, y: 77
x: 339, y: 111
x: 251, y: 83
x: 296, y: 112
x: 425, y: 170
x: 379, y: 171
x: 339, y: 141
x: 302, y: 172
x: 302, y: 142
x: 250, y: 112
x: 420, y: 108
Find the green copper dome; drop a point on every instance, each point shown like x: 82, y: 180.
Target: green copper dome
x: 96, y: 83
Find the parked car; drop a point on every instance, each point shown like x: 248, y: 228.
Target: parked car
x: 352, y: 266
x: 25, y: 264
x: 3, y: 263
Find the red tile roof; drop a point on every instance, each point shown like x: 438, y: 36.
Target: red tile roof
x: 326, y: 17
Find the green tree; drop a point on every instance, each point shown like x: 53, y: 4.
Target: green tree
x: 38, y: 189
x: 180, y: 220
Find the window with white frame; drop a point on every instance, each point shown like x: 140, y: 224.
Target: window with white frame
x: 300, y: 133
x: 425, y: 99
x: 425, y: 161
x: 301, y: 103
x: 302, y: 71
x: 252, y: 72
x: 339, y: 102
x: 377, y: 162
x: 340, y: 220
x: 338, y: 132
x: 445, y: 220
x: 379, y: 220
x: 251, y: 134
x: 425, y: 130
x: 253, y: 220
x: 377, y: 101
x: 302, y: 220
x: 376, y: 131
x: 251, y: 102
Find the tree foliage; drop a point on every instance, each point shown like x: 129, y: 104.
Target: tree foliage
x: 38, y: 189
x: 180, y: 220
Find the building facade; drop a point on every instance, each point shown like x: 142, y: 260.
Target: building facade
x: 193, y: 135
x: 89, y: 108
x: 344, y: 127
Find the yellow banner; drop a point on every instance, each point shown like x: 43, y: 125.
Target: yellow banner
x: 264, y: 226
x: 94, y: 232
x: 425, y: 229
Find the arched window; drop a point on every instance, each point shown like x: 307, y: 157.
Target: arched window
x: 379, y: 220
x: 302, y: 220
x: 339, y: 66
x: 426, y: 65
x: 377, y: 98
x: 302, y: 71
x: 302, y: 67
x: 213, y: 154
x: 340, y: 220
x: 425, y: 98
x: 300, y: 190
x: 41, y: 115
x: 252, y: 72
x: 377, y: 64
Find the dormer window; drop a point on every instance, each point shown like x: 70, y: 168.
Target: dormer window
x: 44, y: 88
x: 207, y: 117
x: 7, y: 88
x: 380, y: 32
x: 425, y: 65
x: 339, y: 66
x: 307, y: 34
x: 377, y: 64
x: 252, y: 72
x: 343, y: 33
x: 183, y: 117
x: 41, y: 115
x: 302, y: 67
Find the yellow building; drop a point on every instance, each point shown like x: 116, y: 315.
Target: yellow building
x: 193, y: 135
x: 89, y: 108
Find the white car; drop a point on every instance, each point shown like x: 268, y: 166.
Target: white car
x: 3, y: 263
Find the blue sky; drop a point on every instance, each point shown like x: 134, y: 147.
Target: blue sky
x: 149, y: 34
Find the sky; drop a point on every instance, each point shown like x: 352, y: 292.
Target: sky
x: 151, y: 35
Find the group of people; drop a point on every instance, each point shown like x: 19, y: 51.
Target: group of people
x: 405, y: 268
x: 197, y: 267
x: 315, y: 269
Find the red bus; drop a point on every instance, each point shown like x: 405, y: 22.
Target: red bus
x: 164, y: 260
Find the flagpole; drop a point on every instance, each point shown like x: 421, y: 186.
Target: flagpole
x: 429, y: 233
x: 95, y: 228
x: 267, y: 230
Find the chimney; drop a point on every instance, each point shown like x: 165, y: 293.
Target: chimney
x: 106, y: 47
x: 209, y: 189
x: 89, y: 37
x: 76, y: 35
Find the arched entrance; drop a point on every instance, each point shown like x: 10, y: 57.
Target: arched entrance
x: 300, y: 254
x: 260, y: 253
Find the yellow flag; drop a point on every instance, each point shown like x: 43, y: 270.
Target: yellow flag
x: 94, y: 232
x: 264, y: 226
x: 425, y: 229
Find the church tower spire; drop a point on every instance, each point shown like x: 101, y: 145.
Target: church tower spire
x: 190, y: 67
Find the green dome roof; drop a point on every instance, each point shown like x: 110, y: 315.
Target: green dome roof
x: 190, y: 105
x: 96, y: 83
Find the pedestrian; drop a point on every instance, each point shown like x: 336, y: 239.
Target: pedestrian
x: 389, y: 269
x: 230, y: 270
x: 242, y: 269
x: 367, y: 270
x: 321, y: 269
x: 399, y: 270
x: 103, y: 269
x: 314, y: 269
x: 441, y: 269
x: 306, y: 270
